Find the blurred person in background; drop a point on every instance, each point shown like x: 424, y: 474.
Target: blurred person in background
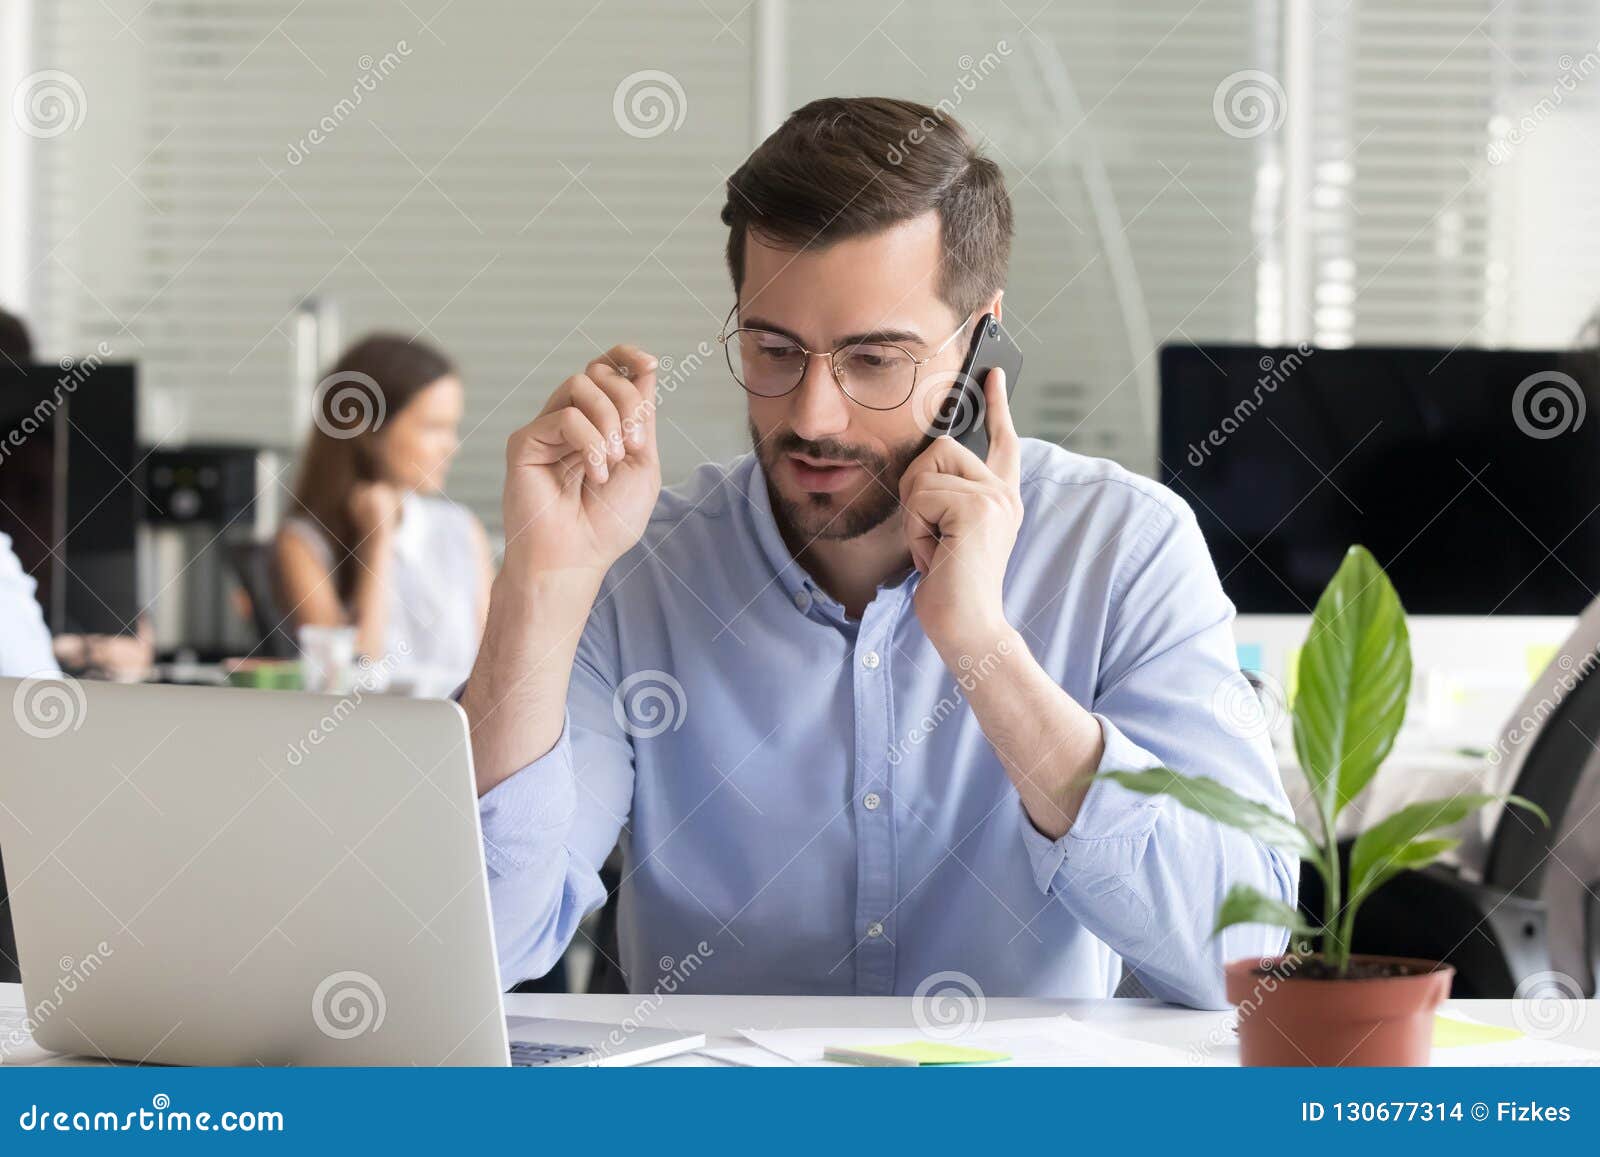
x: 370, y: 542
x: 121, y: 657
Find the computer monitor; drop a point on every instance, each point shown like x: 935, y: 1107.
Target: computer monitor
x: 68, y: 500
x: 1472, y: 475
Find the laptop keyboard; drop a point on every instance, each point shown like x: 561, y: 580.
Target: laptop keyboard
x: 531, y: 1054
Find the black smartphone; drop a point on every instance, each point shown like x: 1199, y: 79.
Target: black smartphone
x: 963, y: 415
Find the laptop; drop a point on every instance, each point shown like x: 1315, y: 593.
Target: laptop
x: 217, y: 876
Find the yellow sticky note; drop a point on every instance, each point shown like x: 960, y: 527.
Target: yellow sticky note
x: 1537, y: 657
x: 1450, y: 1033
x: 913, y: 1053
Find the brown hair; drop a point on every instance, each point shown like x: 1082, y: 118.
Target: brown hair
x: 847, y: 167
x: 367, y: 387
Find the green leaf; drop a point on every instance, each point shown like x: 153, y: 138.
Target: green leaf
x: 1382, y: 845
x: 1244, y: 905
x: 1224, y: 805
x: 1416, y: 854
x: 1353, y: 679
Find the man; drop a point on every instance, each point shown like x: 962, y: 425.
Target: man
x: 840, y: 699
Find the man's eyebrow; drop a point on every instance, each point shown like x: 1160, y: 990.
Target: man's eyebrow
x: 891, y: 336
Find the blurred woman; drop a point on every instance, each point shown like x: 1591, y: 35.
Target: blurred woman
x: 369, y: 541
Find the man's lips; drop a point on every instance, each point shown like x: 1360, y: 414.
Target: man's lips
x: 819, y: 475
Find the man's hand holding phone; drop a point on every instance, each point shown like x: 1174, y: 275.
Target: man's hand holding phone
x: 962, y: 518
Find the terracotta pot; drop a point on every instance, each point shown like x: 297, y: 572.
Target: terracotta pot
x: 1290, y: 1020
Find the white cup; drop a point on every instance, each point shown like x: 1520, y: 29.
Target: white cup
x: 327, y: 658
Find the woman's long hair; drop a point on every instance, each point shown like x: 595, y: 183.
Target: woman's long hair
x: 367, y: 388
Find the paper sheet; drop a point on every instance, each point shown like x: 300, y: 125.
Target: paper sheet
x: 1472, y: 1043
x: 1051, y: 1041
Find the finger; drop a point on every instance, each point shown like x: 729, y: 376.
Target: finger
x: 598, y: 407
x: 922, y: 540
x: 931, y: 509
x: 625, y: 398
x: 942, y: 455
x: 947, y: 456
x: 1005, y: 448
x: 565, y: 434
x: 630, y: 361
x: 936, y: 482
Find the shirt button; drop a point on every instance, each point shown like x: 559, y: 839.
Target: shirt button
x: 870, y: 660
x: 802, y: 600
x: 871, y: 800
x: 874, y: 930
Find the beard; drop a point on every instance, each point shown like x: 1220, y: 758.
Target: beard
x: 832, y: 516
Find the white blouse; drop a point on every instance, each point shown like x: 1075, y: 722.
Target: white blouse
x: 434, y: 612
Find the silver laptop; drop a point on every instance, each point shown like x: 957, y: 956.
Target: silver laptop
x: 209, y: 876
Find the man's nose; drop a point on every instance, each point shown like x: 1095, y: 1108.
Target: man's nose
x: 818, y: 407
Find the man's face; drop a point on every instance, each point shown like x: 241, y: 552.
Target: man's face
x: 833, y: 465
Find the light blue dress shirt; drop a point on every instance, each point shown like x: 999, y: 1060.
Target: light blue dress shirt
x: 806, y: 804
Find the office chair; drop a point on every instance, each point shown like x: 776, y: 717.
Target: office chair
x: 252, y: 566
x: 1494, y: 931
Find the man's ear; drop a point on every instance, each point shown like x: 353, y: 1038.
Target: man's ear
x: 994, y: 306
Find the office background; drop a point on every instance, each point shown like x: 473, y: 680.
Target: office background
x: 525, y: 184
x: 225, y: 193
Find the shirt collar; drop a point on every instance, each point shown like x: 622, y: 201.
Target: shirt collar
x: 790, y: 573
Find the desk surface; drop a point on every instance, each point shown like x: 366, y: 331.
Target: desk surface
x: 1207, y: 1034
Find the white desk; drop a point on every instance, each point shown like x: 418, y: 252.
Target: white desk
x: 720, y: 1017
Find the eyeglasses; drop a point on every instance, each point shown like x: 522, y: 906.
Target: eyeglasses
x: 877, y: 375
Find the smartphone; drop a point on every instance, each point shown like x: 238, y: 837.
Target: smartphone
x: 963, y: 414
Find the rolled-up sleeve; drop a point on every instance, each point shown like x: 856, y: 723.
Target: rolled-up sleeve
x: 549, y: 827
x: 1143, y: 873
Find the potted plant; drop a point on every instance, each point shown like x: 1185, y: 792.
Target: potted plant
x: 1329, y: 1007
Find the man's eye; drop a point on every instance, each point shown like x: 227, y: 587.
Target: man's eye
x: 775, y: 353
x: 868, y: 359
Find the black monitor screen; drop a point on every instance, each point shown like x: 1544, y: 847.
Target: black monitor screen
x: 1472, y: 475
x: 68, y: 498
